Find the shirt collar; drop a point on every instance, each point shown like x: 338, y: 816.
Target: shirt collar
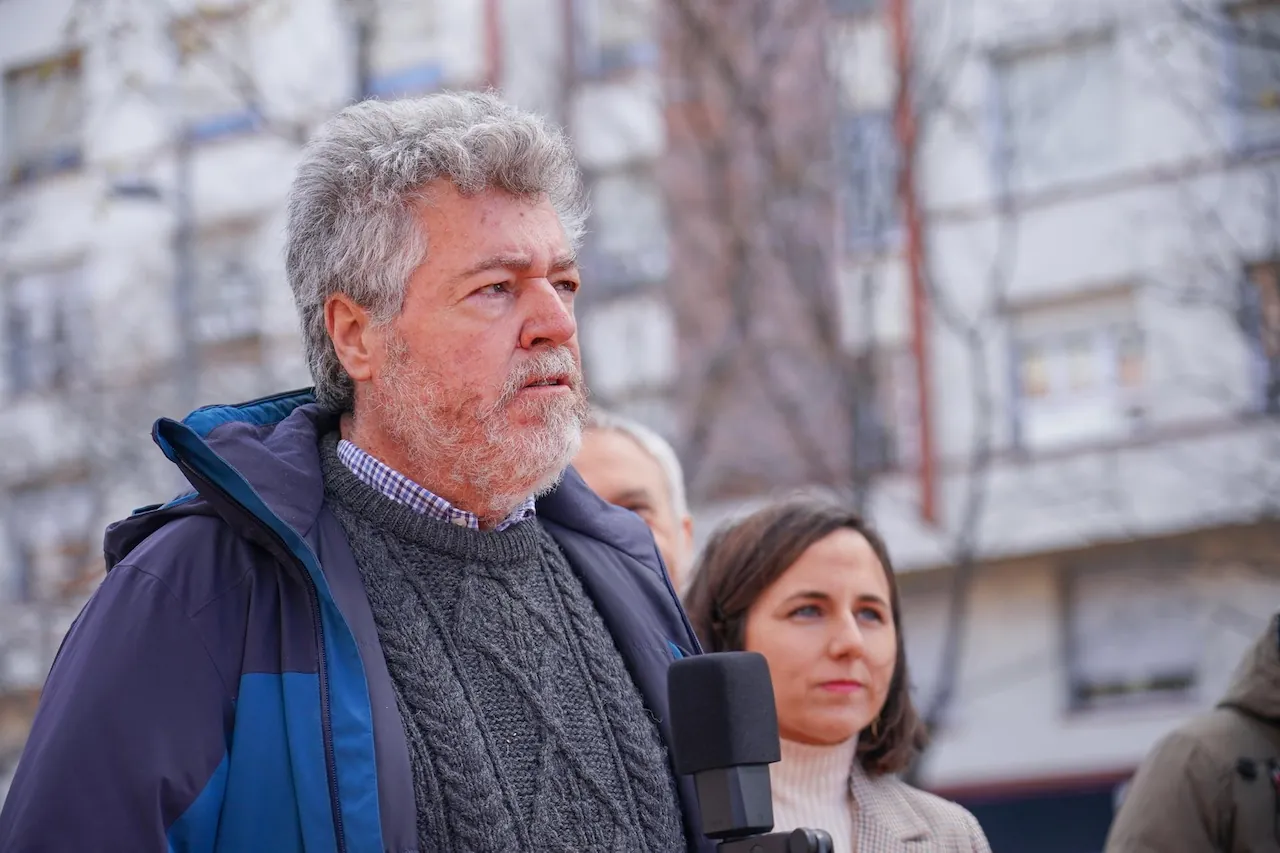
x: 399, y: 488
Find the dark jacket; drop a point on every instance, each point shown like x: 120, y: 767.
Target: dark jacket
x: 225, y: 690
x: 1208, y: 787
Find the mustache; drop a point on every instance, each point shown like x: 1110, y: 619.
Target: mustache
x: 555, y: 362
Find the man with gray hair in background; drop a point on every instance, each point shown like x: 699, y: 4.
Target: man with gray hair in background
x: 384, y: 618
x: 631, y: 466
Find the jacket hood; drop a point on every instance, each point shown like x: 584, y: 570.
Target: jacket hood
x: 1255, y: 687
x: 263, y: 453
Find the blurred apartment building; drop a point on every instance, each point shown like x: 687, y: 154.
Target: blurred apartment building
x: 1053, y: 373
x: 147, y: 151
x: 1005, y: 272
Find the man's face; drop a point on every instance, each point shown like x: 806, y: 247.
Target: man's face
x: 480, y: 377
x: 623, y: 473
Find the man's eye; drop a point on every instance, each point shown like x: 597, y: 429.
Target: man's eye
x: 568, y: 284
x: 494, y: 289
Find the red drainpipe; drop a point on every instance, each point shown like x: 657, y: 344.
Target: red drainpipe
x: 904, y: 121
x: 493, y: 43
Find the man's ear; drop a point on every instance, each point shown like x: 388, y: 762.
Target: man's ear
x: 350, y: 330
x: 686, y: 550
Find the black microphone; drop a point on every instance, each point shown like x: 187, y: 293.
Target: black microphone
x: 724, y: 730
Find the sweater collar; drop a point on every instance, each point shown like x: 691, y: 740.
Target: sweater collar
x: 815, y: 768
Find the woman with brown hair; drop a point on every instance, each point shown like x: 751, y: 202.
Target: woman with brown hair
x: 809, y: 585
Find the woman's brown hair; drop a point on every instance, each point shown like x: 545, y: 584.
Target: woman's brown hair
x: 744, y: 558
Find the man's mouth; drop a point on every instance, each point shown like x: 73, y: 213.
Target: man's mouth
x: 547, y: 382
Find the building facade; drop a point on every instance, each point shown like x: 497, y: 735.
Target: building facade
x: 1054, y: 235
x: 1003, y: 272
x: 147, y: 152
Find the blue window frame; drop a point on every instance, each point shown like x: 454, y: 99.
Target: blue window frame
x: 403, y: 83
x: 1250, y: 36
x: 869, y: 162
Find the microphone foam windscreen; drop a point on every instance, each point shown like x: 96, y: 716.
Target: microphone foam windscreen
x: 722, y: 711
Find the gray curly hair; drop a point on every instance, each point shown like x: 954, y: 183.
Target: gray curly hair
x: 353, y: 224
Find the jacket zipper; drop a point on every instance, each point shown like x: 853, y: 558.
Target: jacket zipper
x: 326, y: 724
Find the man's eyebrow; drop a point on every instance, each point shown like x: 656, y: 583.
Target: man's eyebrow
x: 639, y: 495
x: 495, y: 262
x: 563, y: 262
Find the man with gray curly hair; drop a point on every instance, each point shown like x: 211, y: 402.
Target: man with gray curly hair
x: 387, y: 617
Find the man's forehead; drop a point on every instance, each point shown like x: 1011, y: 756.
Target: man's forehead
x: 490, y: 215
x: 622, y: 448
x: 515, y: 236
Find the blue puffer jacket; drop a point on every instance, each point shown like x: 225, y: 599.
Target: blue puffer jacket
x: 224, y: 689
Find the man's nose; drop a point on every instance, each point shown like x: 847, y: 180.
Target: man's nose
x: 549, y: 319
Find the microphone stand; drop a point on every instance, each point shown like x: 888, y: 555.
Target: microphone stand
x: 796, y: 841
x: 737, y: 812
x: 725, y: 730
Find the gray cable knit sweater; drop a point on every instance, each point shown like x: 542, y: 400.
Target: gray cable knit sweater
x: 525, y: 731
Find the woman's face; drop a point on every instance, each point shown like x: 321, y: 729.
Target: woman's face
x: 826, y: 628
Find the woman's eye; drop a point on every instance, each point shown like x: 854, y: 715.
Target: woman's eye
x: 870, y: 614
x: 808, y: 611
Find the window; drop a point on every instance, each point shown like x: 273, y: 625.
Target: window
x: 401, y: 49
x: 1079, y: 373
x: 869, y: 202
x: 1254, y: 46
x: 627, y: 244
x: 228, y: 285
x: 925, y: 614
x: 217, y: 92
x: 44, y: 115
x: 51, y: 531
x: 1260, y: 320
x: 25, y: 654
x: 39, y: 329
x: 655, y: 411
x: 886, y: 411
x: 613, y: 35
x: 854, y: 7
x: 234, y: 374
x: 1132, y: 634
x: 629, y: 346
x: 1059, y: 110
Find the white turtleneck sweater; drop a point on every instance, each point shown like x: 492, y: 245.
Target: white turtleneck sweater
x: 811, y: 790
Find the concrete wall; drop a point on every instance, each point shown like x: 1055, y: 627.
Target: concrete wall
x: 1013, y: 721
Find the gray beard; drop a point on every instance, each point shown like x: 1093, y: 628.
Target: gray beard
x: 475, y: 450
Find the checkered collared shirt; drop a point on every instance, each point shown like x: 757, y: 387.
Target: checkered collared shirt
x: 401, y: 489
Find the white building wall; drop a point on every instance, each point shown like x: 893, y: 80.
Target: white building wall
x: 301, y: 64
x: 1137, y: 222
x: 1012, y: 719
x: 1170, y: 220
x: 1169, y: 217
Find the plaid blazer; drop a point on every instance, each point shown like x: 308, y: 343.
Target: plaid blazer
x: 892, y: 817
